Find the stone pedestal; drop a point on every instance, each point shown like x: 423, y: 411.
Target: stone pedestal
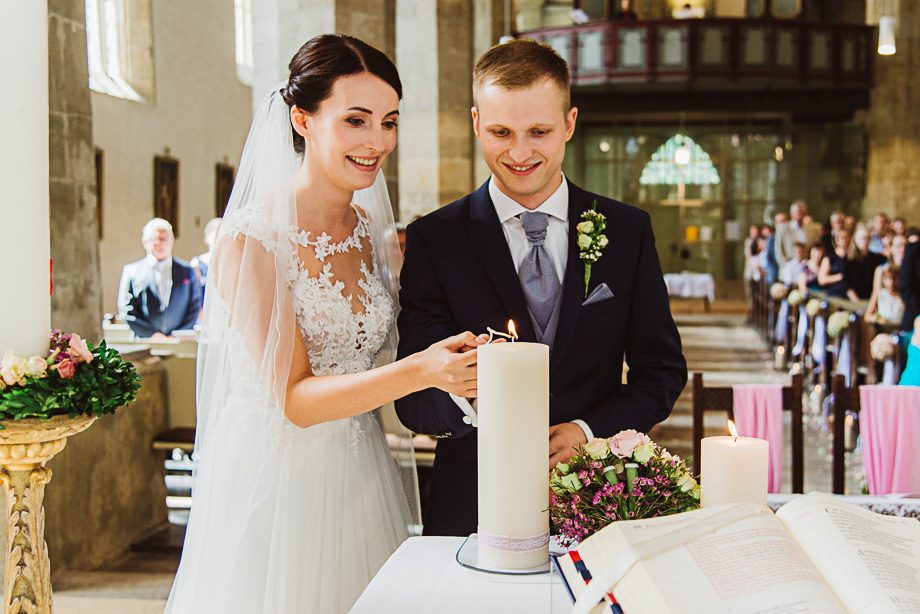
x: 25, y: 447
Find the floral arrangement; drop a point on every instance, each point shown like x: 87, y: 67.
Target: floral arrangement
x: 74, y: 378
x: 837, y: 323
x: 812, y: 307
x: 591, y: 239
x: 625, y: 477
x: 882, y: 348
x: 795, y: 297
x: 778, y: 291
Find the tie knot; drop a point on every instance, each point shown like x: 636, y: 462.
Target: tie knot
x: 535, y: 223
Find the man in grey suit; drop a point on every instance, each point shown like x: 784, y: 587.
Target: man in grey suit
x: 158, y: 294
x: 792, y: 232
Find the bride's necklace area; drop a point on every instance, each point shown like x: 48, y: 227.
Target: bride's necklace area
x: 324, y: 245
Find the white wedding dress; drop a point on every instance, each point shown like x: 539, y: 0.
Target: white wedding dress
x: 330, y: 506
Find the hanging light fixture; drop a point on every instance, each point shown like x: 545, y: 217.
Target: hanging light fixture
x: 886, y: 44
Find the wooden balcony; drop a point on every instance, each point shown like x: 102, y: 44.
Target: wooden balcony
x: 747, y: 56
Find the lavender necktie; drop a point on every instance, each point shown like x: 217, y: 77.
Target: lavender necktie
x: 537, y: 273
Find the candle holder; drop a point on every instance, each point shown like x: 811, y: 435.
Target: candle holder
x: 25, y: 446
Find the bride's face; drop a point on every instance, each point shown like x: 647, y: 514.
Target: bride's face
x: 352, y: 132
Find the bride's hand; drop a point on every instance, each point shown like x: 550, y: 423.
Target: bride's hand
x: 450, y: 365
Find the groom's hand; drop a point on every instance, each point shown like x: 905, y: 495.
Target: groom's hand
x: 562, y: 441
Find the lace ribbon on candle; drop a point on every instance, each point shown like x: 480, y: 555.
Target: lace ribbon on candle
x: 514, y: 544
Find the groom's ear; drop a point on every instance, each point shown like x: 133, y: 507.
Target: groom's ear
x: 475, y: 114
x: 570, y: 122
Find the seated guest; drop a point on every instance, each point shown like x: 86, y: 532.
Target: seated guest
x: 831, y: 276
x: 789, y: 274
x: 158, y: 294
x: 885, y: 306
x: 860, y: 266
x: 200, y: 263
x: 808, y: 277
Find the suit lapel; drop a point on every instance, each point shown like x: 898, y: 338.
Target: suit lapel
x: 489, y: 240
x: 573, y: 288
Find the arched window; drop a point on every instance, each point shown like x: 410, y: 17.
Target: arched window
x: 242, y: 12
x: 119, y: 48
x: 679, y: 160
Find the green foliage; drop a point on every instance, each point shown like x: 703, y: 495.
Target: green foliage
x: 98, y: 387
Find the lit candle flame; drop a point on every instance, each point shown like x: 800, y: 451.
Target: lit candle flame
x: 512, y: 330
x: 733, y: 430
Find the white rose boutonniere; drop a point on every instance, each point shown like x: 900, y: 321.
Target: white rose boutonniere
x: 591, y: 239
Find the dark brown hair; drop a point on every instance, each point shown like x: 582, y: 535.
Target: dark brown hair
x: 520, y: 63
x: 321, y: 62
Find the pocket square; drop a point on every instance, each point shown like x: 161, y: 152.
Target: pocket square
x: 600, y: 293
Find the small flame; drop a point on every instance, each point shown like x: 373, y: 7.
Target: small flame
x: 512, y: 330
x: 733, y: 430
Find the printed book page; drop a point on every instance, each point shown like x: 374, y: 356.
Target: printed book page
x: 871, y: 561
x: 752, y: 566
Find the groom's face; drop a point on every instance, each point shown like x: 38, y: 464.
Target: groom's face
x: 523, y: 133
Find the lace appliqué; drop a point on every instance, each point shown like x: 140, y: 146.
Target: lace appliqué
x: 323, y: 246
x: 358, y: 437
x: 514, y: 544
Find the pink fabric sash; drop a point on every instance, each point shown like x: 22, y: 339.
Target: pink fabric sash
x: 889, y: 419
x: 759, y: 413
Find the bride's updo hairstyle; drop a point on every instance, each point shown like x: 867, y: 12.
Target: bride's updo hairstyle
x: 321, y: 62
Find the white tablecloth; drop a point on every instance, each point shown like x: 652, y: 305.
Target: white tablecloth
x: 424, y: 576
x: 691, y: 285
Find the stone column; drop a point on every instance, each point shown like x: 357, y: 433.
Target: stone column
x: 438, y: 44
x: 24, y: 235
x: 893, y: 125
x: 76, y: 305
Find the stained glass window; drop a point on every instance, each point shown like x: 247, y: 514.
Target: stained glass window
x: 663, y: 168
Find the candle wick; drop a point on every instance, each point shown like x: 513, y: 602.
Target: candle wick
x: 495, y: 332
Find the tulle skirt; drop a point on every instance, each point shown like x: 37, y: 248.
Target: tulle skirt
x: 328, y: 514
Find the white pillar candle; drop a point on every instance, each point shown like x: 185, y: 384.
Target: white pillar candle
x: 25, y: 311
x: 733, y: 471
x: 513, y: 389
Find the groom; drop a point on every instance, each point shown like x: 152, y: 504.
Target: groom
x: 509, y: 251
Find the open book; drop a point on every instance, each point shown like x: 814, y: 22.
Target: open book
x: 815, y: 555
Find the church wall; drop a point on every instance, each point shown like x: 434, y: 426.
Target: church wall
x: 76, y: 304
x: 893, y: 125
x: 200, y: 116
x: 108, y: 489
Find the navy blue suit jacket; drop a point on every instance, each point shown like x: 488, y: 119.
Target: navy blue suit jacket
x: 139, y: 304
x: 458, y: 275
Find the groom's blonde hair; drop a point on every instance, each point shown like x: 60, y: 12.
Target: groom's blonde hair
x: 520, y: 63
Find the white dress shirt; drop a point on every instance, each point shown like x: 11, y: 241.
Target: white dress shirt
x: 162, y: 273
x: 556, y: 243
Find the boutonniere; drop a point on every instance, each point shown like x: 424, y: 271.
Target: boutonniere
x: 591, y: 239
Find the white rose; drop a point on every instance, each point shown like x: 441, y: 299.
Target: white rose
x: 36, y: 366
x: 602, y: 241
x: 584, y: 241
x: 597, y: 449
x: 585, y: 227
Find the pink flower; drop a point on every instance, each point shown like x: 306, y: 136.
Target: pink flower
x: 623, y: 443
x: 67, y: 369
x: 78, y: 348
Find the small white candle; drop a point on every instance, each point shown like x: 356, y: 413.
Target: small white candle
x: 513, y: 413
x: 733, y: 470
x: 780, y: 360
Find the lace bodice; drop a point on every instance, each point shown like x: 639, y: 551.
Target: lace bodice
x: 338, y: 339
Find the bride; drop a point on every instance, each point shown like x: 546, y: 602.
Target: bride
x: 298, y: 501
